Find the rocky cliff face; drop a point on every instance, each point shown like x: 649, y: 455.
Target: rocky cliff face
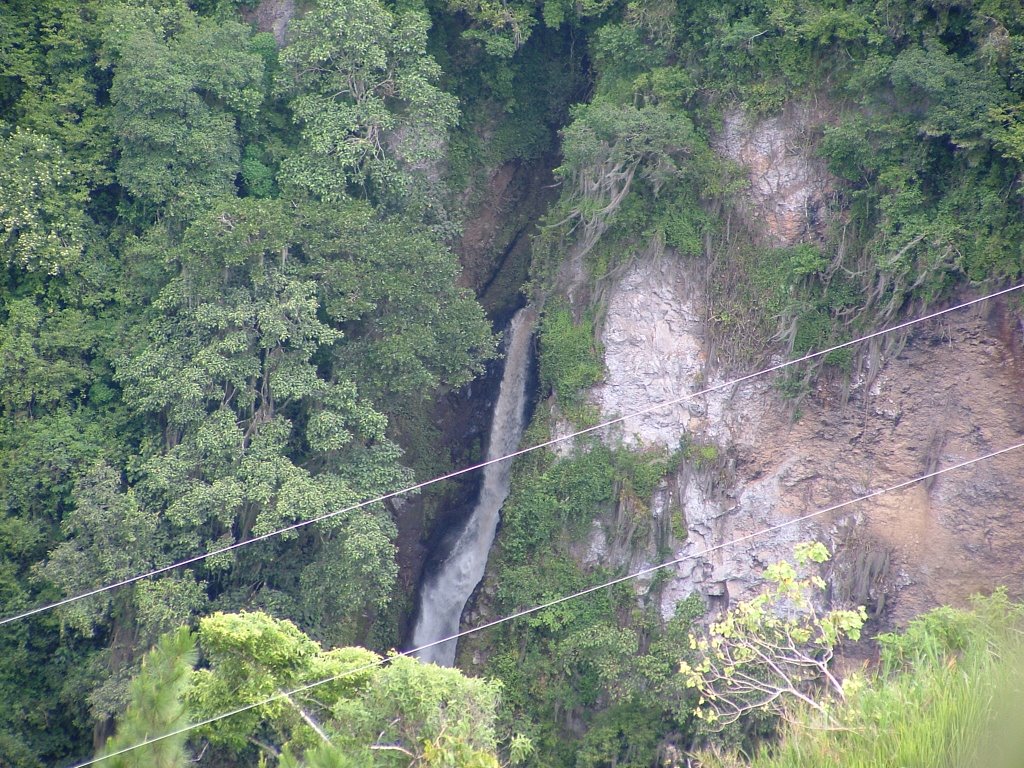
x: 954, y: 392
x: 271, y: 16
x: 789, y: 187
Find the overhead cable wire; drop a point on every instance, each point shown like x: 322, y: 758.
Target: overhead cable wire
x: 457, y: 473
x: 557, y: 601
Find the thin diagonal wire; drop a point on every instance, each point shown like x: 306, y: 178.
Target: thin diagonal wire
x: 418, y: 486
x: 557, y: 601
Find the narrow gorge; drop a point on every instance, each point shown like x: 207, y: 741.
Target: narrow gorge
x: 754, y: 456
x: 443, y: 593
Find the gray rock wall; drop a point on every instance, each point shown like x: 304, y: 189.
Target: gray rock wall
x: 954, y: 392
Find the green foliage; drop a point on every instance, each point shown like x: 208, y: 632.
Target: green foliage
x: 621, y: 57
x: 180, y: 84
x: 570, y: 356
x: 354, y: 567
x: 641, y: 471
x: 40, y: 357
x: 202, y: 337
x: 623, y: 735
x: 41, y: 221
x: 553, y: 496
x: 256, y: 436
x: 701, y: 453
x: 635, y: 169
x: 256, y: 176
x: 109, y: 538
x: 50, y: 87
x: 180, y: 333
x: 578, y: 665
x: 683, y: 223
x: 411, y: 327
x: 605, y: 148
x: 947, y: 694
x: 155, y: 707
x: 567, y: 664
x: 503, y: 28
x: 956, y: 97
x: 924, y: 139
x: 364, y: 93
x: 774, y: 650
x: 398, y: 713
x: 790, y: 294
x: 42, y: 714
x: 512, y: 108
x: 936, y: 216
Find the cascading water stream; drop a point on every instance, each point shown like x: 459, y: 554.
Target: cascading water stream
x: 444, y: 595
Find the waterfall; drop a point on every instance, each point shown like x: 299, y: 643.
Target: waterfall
x: 444, y: 595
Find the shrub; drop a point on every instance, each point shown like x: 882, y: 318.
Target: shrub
x: 570, y: 357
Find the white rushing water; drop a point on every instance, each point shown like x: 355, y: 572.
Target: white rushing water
x: 444, y: 595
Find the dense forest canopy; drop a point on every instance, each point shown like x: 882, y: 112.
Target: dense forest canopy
x: 230, y: 298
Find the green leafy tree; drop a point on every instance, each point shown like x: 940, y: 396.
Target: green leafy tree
x: 40, y: 359
x: 503, y: 28
x: 606, y: 147
x: 255, y: 436
x: 181, y: 83
x: 50, y: 85
x: 945, y: 693
x: 397, y: 713
x: 364, y: 91
x: 156, y: 707
x: 958, y: 99
x: 393, y: 289
x: 42, y: 226
x: 109, y: 537
x: 249, y: 358
x: 772, y: 650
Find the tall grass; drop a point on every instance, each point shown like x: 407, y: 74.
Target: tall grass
x: 950, y: 692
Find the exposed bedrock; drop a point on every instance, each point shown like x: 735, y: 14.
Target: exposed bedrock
x: 789, y: 186
x: 953, y: 393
